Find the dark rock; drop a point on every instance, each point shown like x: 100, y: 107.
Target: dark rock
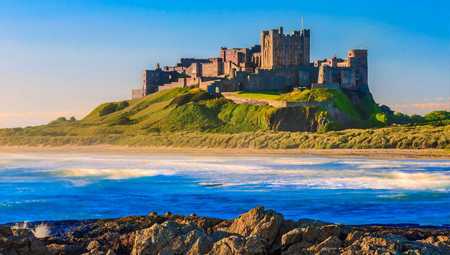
x: 257, y: 232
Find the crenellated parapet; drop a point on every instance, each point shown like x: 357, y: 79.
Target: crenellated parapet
x: 281, y: 62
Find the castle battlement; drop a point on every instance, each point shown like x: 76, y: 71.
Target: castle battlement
x: 280, y: 62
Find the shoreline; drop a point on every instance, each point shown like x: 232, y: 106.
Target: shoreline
x: 235, y: 152
x: 257, y: 231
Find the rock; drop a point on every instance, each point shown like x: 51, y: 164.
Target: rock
x: 373, y: 245
x: 440, y: 241
x: 257, y: 232
x: 153, y: 214
x: 5, y: 232
x: 259, y: 222
x: 201, y: 246
x: 21, y: 242
x: 330, y: 245
x: 291, y: 237
x: 65, y: 249
x: 298, y: 248
x: 353, y: 236
x: 152, y: 240
x: 110, y: 252
x: 255, y: 245
x: 93, y: 245
x: 229, y: 246
x: 197, y: 240
x: 234, y: 245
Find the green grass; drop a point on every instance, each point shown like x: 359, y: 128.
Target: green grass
x: 182, y: 110
x: 402, y: 137
x: 265, y: 95
x: 193, y: 118
x: 307, y: 95
x: 321, y: 95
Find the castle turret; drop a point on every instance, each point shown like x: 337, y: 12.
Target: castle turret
x: 357, y: 60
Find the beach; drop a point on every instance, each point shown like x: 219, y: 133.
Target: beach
x: 142, y: 150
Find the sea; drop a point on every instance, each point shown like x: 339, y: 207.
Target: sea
x: 347, y: 190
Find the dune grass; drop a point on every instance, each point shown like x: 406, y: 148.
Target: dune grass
x: 401, y: 137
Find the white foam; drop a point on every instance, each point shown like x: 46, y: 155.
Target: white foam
x: 112, y: 174
x: 261, y: 171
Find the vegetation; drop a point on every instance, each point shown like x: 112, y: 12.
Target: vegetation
x: 193, y: 118
x: 267, y: 95
x: 403, y: 137
x: 333, y: 97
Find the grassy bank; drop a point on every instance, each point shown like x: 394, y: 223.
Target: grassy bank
x: 193, y: 118
x: 401, y: 137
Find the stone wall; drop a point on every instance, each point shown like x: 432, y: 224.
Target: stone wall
x: 277, y: 79
x: 213, y: 68
x: 152, y: 79
x: 283, y: 50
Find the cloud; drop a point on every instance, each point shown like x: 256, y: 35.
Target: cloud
x: 440, y: 103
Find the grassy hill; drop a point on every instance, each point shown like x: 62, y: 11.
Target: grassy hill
x: 191, y: 117
x: 195, y: 110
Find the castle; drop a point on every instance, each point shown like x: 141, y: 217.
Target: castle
x: 280, y: 63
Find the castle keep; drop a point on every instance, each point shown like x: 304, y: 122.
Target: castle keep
x: 283, y: 50
x: 281, y: 62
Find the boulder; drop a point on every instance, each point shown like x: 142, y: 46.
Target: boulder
x: 201, y: 246
x: 440, y: 241
x: 232, y: 245
x: 152, y: 240
x: 373, y: 245
x: 291, y: 237
x: 255, y: 245
x: 259, y: 222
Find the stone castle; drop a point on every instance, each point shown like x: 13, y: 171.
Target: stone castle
x: 280, y: 63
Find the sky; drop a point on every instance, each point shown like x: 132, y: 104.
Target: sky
x: 64, y: 57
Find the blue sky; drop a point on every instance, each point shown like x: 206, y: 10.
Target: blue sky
x: 61, y: 57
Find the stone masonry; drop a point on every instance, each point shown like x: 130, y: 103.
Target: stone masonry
x: 281, y: 62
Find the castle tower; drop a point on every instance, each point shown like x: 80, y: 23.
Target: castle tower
x: 357, y: 60
x: 283, y: 50
x: 305, y: 39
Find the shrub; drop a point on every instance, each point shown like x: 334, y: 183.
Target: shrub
x: 437, y: 116
x: 59, y: 120
x: 109, y: 108
x: 382, y: 118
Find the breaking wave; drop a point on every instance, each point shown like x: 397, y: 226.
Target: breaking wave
x: 112, y: 174
x: 262, y: 172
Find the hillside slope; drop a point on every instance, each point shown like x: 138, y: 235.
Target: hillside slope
x: 196, y: 110
x: 193, y: 118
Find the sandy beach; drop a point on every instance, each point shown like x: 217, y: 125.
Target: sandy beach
x: 114, y: 149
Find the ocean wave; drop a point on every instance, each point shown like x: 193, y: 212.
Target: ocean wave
x: 22, y: 202
x: 112, y: 174
x: 252, y: 172
x: 400, y: 182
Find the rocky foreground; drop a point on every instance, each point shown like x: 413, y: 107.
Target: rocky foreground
x: 258, y: 231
